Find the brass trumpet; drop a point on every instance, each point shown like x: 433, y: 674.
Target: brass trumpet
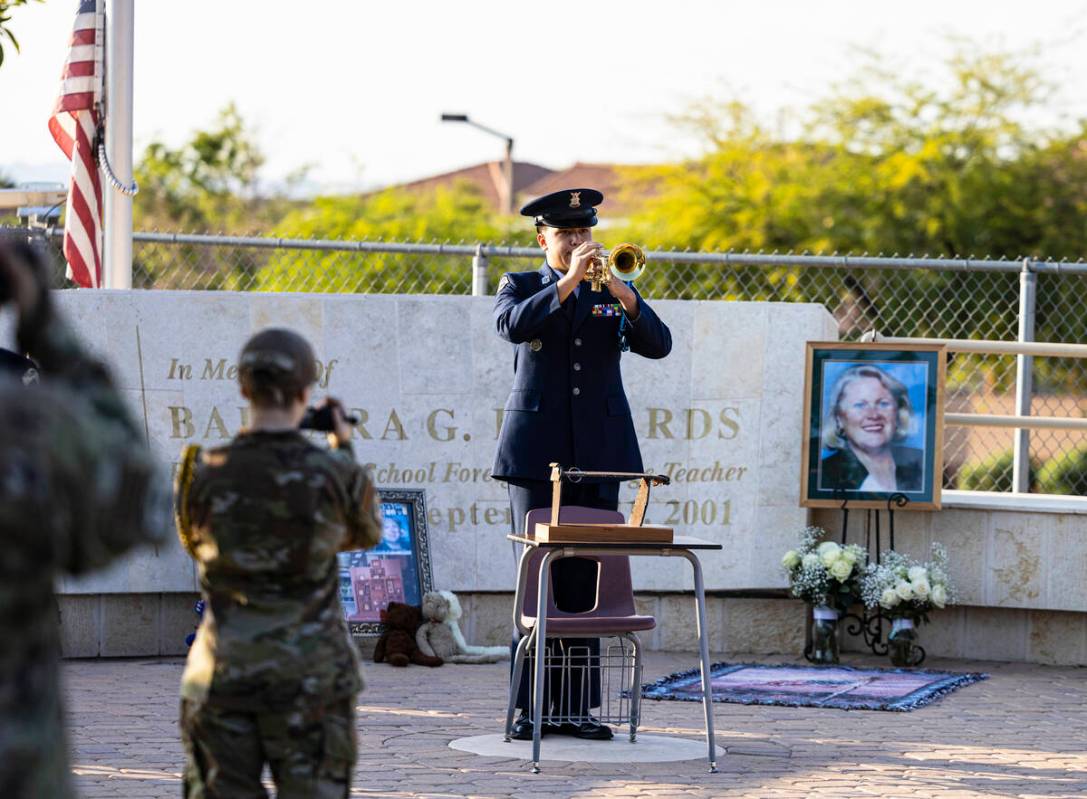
x: 625, y: 261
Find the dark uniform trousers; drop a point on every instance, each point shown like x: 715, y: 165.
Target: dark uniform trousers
x: 573, y: 586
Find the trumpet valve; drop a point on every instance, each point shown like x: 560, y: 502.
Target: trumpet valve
x: 597, y: 273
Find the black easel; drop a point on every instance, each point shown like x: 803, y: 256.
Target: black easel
x: 870, y: 624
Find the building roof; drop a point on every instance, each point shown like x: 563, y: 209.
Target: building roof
x: 621, y: 184
x: 532, y: 180
x: 487, y: 177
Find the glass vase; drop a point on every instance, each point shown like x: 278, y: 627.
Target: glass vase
x: 901, y: 643
x: 824, y: 635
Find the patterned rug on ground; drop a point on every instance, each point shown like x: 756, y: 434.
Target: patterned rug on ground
x: 840, y: 687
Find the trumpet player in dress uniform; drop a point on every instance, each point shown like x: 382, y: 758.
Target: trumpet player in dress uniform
x: 568, y: 406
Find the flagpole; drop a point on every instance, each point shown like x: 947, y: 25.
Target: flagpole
x: 118, y: 206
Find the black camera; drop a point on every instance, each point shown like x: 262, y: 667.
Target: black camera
x: 320, y: 419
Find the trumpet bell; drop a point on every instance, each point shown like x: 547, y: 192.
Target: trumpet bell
x: 626, y: 261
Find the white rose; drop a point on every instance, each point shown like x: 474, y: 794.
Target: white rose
x: 918, y: 573
x: 829, y: 552
x: 791, y: 559
x: 939, y: 596
x: 810, y: 561
x: 921, y: 588
x: 849, y: 556
x: 903, y: 589
x: 841, y: 569
x: 888, y: 599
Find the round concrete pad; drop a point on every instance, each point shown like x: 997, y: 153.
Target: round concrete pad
x: 647, y: 749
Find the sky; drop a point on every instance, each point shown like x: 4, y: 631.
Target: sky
x: 354, y: 89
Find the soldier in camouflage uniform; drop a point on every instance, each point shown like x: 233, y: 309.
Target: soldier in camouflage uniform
x: 273, y: 675
x: 78, y: 487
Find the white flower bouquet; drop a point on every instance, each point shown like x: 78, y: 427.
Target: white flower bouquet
x: 902, y: 588
x: 825, y: 573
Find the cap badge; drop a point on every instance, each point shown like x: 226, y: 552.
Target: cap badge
x: 575, y: 199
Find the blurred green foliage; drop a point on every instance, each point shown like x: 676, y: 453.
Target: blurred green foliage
x: 995, y: 473
x: 448, y: 214
x: 1066, y: 474
x: 210, y: 184
x: 955, y: 165
x: 890, y: 165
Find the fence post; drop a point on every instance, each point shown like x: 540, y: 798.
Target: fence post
x: 479, y: 273
x: 1024, y: 378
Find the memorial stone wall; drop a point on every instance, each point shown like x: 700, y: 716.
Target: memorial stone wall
x: 428, y: 377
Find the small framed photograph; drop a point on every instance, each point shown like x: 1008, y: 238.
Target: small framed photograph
x: 873, y: 425
x: 396, y: 570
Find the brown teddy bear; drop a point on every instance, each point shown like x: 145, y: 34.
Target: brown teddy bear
x: 397, y: 643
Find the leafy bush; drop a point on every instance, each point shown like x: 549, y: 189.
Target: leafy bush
x: 1065, y: 474
x: 994, y: 473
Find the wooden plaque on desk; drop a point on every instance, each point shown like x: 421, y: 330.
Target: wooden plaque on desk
x: 547, y: 533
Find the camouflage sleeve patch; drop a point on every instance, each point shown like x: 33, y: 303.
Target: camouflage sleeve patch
x: 186, y: 471
x: 364, y: 512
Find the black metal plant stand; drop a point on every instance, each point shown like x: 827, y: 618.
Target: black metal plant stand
x: 870, y: 625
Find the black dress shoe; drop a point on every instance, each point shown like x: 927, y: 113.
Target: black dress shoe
x: 589, y: 730
x: 593, y: 731
x: 522, y: 729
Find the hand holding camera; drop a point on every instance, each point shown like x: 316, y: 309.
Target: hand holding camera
x: 330, y: 417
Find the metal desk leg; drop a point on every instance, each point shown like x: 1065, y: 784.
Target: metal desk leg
x: 540, y: 632
x: 515, y: 682
x: 704, y: 655
x: 521, y: 557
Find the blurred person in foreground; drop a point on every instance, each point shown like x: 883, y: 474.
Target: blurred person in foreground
x: 273, y: 675
x: 869, y: 416
x: 78, y: 488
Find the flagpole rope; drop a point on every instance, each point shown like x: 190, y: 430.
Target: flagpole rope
x: 127, y: 189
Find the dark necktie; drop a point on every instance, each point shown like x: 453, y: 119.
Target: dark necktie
x: 570, y: 306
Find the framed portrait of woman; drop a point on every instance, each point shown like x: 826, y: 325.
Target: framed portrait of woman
x: 396, y: 570
x: 873, y: 430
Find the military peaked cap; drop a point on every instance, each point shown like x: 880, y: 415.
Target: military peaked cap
x: 566, y: 208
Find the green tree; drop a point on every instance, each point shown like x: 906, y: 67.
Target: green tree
x: 456, y: 214
x: 886, y: 164
x: 1065, y: 473
x: 209, y: 184
x: 996, y: 473
x: 5, y: 27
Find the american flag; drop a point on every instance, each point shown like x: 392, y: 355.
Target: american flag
x: 73, y: 125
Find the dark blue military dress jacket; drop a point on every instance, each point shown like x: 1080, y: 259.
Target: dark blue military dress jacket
x: 567, y: 404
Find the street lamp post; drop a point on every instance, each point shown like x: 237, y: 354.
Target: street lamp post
x: 507, y: 166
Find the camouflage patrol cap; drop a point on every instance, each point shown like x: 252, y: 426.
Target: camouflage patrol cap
x: 278, y: 357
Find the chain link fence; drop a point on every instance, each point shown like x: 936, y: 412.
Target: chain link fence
x: 914, y: 297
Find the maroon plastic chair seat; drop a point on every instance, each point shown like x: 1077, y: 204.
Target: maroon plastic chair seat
x: 614, y: 611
